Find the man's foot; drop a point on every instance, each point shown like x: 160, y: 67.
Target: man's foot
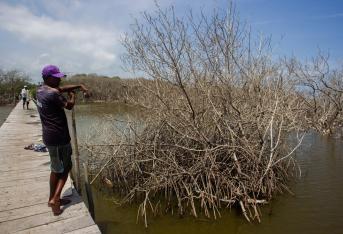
x: 55, y: 207
x: 63, y: 202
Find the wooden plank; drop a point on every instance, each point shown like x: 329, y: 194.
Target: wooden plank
x: 38, y: 208
x: 24, y: 212
x: 43, y: 218
x: 31, y: 165
x: 21, y: 190
x: 26, y: 173
x: 22, y: 169
x: 8, y: 157
x: 62, y: 226
x: 19, y: 176
x: 23, y: 201
x: 24, y: 182
x: 26, y: 199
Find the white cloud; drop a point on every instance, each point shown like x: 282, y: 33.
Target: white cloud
x: 80, y: 36
x: 87, y: 46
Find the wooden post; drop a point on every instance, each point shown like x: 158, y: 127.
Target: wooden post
x: 76, y: 153
x: 88, y: 191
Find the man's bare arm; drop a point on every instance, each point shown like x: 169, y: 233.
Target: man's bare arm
x: 71, y: 102
x: 69, y: 88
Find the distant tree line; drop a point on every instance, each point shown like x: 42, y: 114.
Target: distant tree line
x: 103, y: 88
x: 11, y: 83
x: 106, y: 89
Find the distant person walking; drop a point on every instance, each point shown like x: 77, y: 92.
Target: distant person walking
x: 24, y: 94
x: 51, y: 104
x: 28, y: 99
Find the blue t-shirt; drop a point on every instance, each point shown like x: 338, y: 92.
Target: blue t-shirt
x: 51, y: 103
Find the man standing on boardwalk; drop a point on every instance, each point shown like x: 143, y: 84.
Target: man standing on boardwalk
x: 51, y: 104
x: 23, y: 95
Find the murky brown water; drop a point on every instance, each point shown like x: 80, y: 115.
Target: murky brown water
x: 315, y: 208
x: 4, y: 112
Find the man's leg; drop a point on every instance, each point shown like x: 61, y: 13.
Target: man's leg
x: 55, y: 176
x: 62, y: 178
x: 53, y: 184
x: 60, y: 157
x: 65, y: 154
x: 58, y: 181
x: 27, y: 104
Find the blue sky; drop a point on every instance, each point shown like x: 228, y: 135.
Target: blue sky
x: 82, y: 36
x: 299, y: 27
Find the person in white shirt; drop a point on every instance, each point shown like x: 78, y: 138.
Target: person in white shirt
x: 24, y: 96
x: 28, y: 98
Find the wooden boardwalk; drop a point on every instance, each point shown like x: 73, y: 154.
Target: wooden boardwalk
x: 24, y: 183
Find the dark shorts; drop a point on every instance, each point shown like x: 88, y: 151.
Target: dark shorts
x: 24, y: 100
x: 60, y: 158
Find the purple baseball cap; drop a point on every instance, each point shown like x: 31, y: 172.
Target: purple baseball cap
x: 53, y: 71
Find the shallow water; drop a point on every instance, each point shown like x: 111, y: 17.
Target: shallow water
x: 4, y: 112
x: 315, y: 208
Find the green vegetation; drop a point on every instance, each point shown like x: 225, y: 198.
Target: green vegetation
x: 11, y: 83
x: 106, y: 89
